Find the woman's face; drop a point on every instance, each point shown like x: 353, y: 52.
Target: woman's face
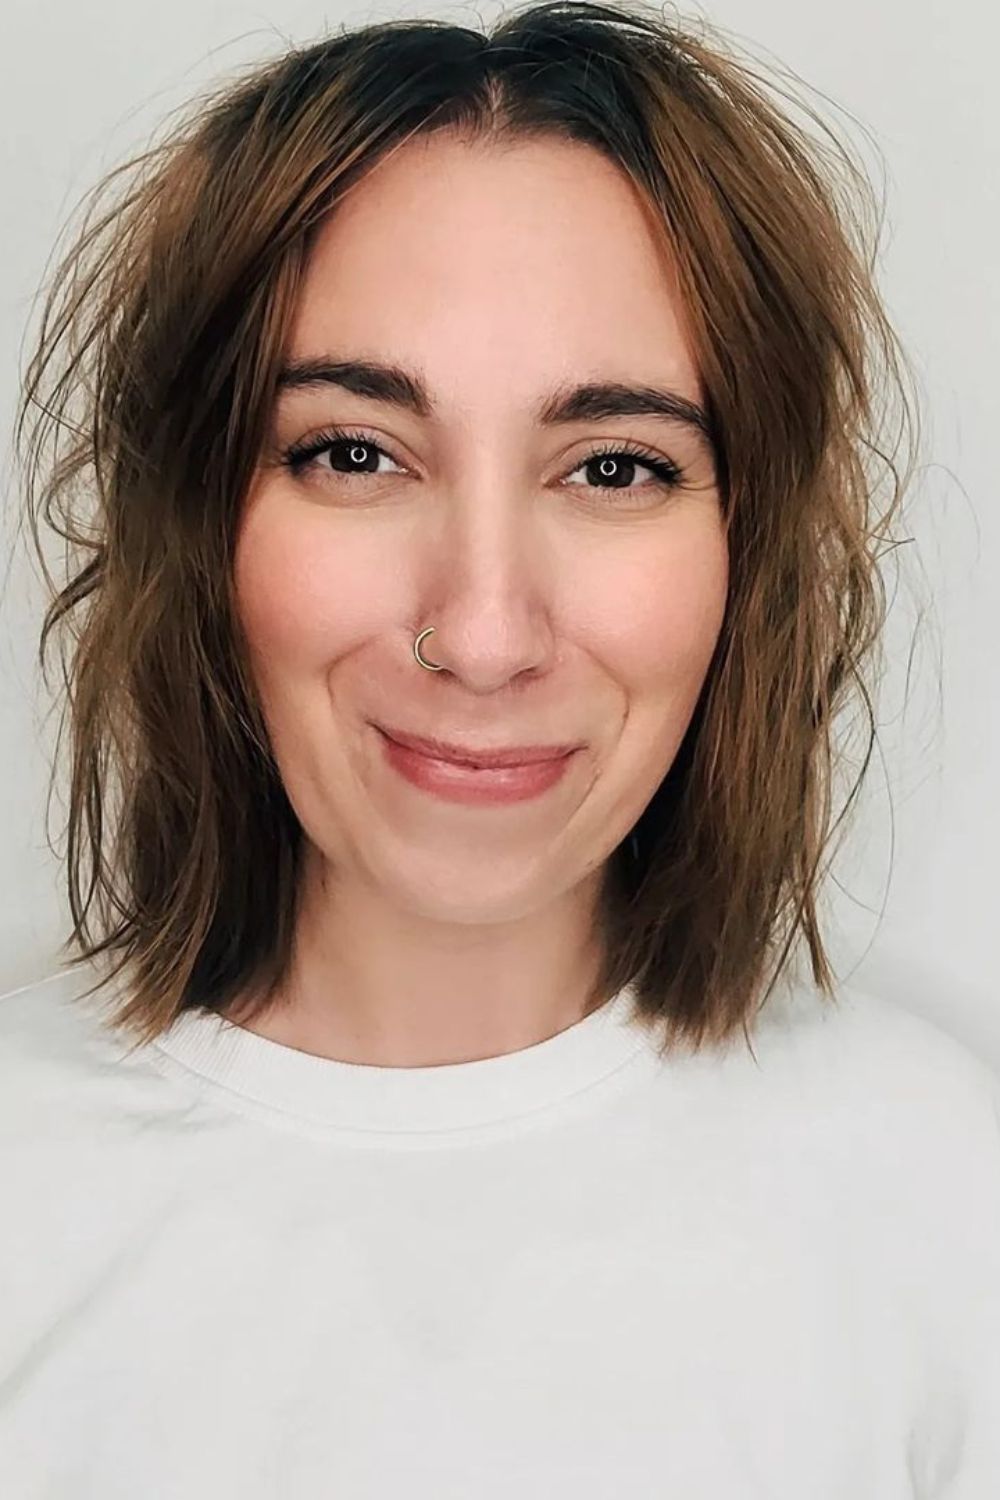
x: 577, y: 599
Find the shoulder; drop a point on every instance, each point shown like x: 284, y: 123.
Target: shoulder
x: 896, y: 1083
x: 55, y: 1041
x: 54, y: 1013
x: 864, y: 1037
x: 919, y: 1062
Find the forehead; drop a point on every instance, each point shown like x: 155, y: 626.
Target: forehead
x: 499, y: 271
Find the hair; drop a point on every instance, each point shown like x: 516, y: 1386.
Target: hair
x: 153, y: 374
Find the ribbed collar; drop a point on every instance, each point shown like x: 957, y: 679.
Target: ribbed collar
x: 269, y: 1076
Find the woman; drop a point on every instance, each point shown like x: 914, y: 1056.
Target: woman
x: 468, y: 475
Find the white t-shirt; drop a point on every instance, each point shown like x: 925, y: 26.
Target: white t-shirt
x: 231, y: 1270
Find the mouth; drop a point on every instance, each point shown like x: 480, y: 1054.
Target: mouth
x: 496, y: 757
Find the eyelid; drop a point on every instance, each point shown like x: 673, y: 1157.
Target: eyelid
x: 307, y: 448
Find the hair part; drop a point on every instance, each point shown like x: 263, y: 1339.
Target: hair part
x: 145, y: 407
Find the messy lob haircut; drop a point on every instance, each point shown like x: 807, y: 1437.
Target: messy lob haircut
x: 144, y: 410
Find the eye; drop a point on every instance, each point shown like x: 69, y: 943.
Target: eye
x: 614, y: 464
x: 352, y: 454
x: 355, y: 455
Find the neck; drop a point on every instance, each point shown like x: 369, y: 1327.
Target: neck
x: 373, y: 983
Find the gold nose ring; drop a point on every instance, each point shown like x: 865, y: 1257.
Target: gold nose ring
x: 431, y: 666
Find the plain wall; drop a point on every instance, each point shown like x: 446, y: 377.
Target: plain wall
x: 913, y: 912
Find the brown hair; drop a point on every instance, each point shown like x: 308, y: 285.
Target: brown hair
x: 156, y: 362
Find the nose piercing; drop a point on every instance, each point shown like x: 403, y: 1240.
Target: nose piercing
x: 431, y: 666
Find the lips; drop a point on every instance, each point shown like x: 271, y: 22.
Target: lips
x: 484, y: 759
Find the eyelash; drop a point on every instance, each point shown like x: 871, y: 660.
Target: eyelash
x: 300, y: 456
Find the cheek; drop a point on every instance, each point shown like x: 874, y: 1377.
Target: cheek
x: 300, y: 604
x: 303, y: 606
x: 662, y: 622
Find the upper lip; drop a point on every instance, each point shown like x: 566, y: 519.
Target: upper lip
x: 491, y: 756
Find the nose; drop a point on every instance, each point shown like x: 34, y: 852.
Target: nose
x: 490, y: 605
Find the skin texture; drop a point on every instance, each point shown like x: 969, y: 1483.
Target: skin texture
x: 432, y: 932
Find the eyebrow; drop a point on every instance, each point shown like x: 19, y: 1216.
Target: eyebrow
x: 592, y: 401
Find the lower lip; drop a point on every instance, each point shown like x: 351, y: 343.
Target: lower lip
x: 472, y: 784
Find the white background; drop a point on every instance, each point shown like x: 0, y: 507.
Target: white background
x: 84, y: 84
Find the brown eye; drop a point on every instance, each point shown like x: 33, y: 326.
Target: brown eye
x: 352, y: 454
x: 614, y: 467
x: 351, y: 457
